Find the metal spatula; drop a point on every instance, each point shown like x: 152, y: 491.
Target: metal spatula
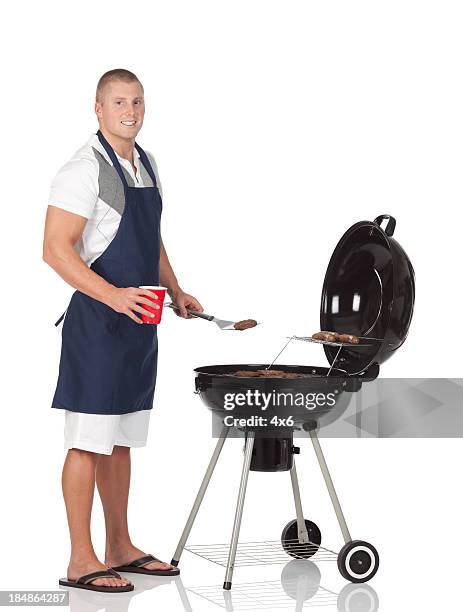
x: 224, y: 325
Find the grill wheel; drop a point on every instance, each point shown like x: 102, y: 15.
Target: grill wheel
x: 358, y: 561
x: 290, y: 544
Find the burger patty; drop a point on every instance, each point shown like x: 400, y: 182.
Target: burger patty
x: 245, y: 324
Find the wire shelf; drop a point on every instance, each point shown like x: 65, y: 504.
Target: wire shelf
x: 260, y: 596
x: 364, y: 341
x: 266, y: 552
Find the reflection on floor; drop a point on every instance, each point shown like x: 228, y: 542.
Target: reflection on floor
x: 299, y: 588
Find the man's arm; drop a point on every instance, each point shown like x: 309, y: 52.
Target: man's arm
x: 178, y: 296
x: 62, y: 231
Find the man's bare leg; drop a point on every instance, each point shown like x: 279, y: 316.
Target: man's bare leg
x: 78, y: 483
x: 113, y: 482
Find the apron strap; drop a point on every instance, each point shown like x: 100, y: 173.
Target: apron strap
x: 146, y: 162
x: 61, y: 318
x: 112, y: 156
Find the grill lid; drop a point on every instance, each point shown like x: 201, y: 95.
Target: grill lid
x: 369, y: 291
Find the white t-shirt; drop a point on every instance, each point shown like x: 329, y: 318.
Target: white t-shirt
x: 88, y: 185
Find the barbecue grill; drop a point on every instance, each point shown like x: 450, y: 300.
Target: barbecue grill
x: 369, y: 291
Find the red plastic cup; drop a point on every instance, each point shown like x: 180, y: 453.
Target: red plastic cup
x: 161, y: 293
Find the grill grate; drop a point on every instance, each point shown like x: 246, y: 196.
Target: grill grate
x: 266, y: 552
x: 365, y: 341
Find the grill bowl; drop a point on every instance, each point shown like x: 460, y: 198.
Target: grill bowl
x: 216, y: 383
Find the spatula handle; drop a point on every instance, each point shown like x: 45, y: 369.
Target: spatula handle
x: 200, y: 315
x: 195, y: 313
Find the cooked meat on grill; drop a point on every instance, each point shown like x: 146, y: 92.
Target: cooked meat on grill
x: 247, y: 374
x: 326, y: 336
x: 245, y: 324
x: 349, y: 338
x: 267, y: 374
x: 272, y: 373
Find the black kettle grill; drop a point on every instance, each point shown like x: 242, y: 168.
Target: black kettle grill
x: 368, y: 291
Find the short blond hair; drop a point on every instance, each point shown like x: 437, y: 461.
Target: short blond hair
x: 118, y: 74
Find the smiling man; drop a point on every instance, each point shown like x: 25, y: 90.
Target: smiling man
x: 102, y: 236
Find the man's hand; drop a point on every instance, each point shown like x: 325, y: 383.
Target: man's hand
x: 126, y: 300
x: 184, y: 301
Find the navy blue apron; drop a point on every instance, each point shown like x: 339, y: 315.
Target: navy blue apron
x: 108, y: 362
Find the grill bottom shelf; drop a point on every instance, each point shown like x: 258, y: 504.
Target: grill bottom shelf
x: 266, y: 552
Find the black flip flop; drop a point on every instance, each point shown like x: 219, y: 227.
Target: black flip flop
x: 84, y: 582
x: 136, y: 567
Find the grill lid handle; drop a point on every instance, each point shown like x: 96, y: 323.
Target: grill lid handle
x: 390, y: 227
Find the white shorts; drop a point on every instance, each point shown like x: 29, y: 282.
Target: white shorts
x: 99, y: 433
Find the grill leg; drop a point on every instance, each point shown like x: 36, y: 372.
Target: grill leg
x: 301, y: 528
x: 239, y: 510
x: 199, y: 496
x: 330, y: 487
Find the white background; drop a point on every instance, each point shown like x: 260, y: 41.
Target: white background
x: 275, y: 126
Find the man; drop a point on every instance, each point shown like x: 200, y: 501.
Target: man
x: 102, y: 236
